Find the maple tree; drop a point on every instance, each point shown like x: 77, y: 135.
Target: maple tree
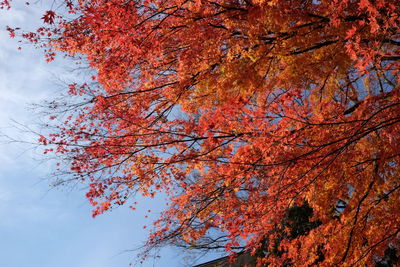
x: 240, y: 111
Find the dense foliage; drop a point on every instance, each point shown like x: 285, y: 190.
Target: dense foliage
x: 240, y: 111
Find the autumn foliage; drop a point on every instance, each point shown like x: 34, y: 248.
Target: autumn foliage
x: 240, y: 111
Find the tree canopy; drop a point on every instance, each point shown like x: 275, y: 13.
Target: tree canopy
x: 240, y: 111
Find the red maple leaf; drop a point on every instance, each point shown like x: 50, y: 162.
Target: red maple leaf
x: 49, y: 17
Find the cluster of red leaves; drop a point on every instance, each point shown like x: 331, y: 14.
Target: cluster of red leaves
x: 4, y: 4
x: 239, y: 110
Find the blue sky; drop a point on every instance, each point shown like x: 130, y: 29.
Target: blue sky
x: 41, y: 226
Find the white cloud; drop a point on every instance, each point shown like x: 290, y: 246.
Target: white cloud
x: 13, y: 16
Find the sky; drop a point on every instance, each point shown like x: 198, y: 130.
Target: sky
x: 42, y: 226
